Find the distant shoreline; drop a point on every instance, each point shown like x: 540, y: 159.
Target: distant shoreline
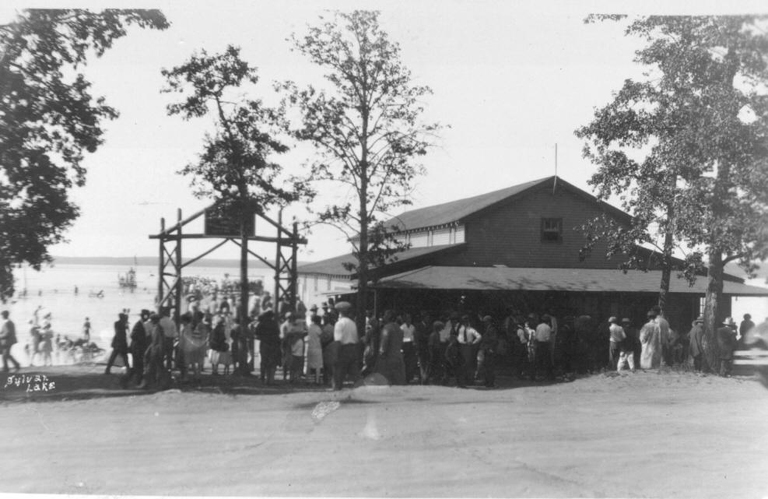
x: 148, y: 261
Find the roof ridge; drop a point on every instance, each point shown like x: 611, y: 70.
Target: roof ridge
x: 464, y: 206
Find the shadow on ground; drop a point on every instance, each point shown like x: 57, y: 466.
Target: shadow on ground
x: 77, y: 382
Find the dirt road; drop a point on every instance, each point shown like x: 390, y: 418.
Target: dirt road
x: 641, y: 435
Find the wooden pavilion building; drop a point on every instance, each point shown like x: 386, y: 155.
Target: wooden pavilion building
x: 515, y: 249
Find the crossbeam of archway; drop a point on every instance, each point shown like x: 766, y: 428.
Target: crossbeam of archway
x: 170, y: 265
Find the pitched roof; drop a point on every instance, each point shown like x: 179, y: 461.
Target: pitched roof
x: 454, y: 211
x: 335, y: 265
x: 547, y: 279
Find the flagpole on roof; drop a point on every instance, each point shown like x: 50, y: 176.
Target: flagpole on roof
x: 554, y: 184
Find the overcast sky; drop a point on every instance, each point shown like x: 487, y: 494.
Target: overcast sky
x: 511, y: 79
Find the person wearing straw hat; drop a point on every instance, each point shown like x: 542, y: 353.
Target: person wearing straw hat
x: 726, y: 343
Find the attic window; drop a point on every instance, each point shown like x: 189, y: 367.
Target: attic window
x: 551, y: 230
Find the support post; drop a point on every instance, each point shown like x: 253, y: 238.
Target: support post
x: 242, y: 313
x: 294, y: 265
x: 179, y: 284
x: 278, y: 257
x: 161, y: 266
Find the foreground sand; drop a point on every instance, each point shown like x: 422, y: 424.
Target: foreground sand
x: 641, y: 435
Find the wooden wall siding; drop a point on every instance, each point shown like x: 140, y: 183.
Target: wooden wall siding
x: 511, y: 234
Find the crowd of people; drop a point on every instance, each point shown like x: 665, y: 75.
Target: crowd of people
x: 322, y: 345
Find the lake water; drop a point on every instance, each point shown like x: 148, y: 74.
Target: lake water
x: 53, y: 289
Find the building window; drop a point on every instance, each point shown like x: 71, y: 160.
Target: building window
x: 551, y: 230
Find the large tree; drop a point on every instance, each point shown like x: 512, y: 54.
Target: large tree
x: 48, y: 121
x: 365, y: 122
x: 234, y: 167
x: 686, y: 147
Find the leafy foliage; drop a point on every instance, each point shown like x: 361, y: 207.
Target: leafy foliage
x: 699, y: 123
x: 366, y: 128
x: 234, y: 166
x: 48, y: 121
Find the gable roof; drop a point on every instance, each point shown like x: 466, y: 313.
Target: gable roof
x: 455, y: 211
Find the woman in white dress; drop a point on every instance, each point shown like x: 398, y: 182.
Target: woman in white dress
x: 314, y: 348
x: 650, y: 356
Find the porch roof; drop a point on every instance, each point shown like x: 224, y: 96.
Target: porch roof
x: 552, y: 279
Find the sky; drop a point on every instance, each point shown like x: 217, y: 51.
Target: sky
x: 510, y: 78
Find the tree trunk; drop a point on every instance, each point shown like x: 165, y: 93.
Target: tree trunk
x: 669, y: 246
x: 362, y: 267
x: 243, y: 312
x: 711, y: 313
x: 666, y: 274
x: 666, y: 262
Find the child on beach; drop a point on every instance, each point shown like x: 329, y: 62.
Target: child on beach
x: 47, y: 345
x: 34, y: 347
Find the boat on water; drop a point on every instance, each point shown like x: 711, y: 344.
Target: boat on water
x: 127, y: 281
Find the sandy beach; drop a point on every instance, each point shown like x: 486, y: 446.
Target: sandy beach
x: 673, y: 434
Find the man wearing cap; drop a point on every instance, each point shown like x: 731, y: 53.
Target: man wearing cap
x: 726, y: 343
x: 345, y: 332
x: 468, y: 338
x: 617, y: 336
x: 696, y: 342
